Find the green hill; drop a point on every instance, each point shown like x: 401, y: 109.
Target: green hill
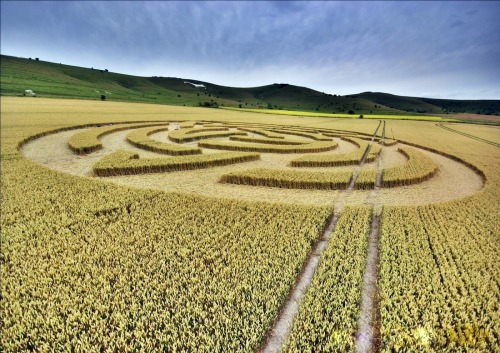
x: 48, y: 79
x: 433, y: 105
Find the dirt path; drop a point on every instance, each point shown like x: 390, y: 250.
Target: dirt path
x: 368, y: 334
x: 281, y: 328
x: 340, y: 201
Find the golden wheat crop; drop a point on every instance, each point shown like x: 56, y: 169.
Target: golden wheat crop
x: 390, y: 142
x: 140, y: 138
x: 271, y: 141
x: 262, y: 132
x: 366, y: 179
x: 373, y: 152
x: 418, y: 168
x: 331, y: 160
x: 90, y: 266
x: 136, y: 270
x: 88, y: 141
x: 439, y: 280
x: 194, y: 134
x: 290, y: 179
x: 328, y: 314
x: 187, y: 124
x: 301, y: 132
x: 316, y: 146
x: 126, y: 163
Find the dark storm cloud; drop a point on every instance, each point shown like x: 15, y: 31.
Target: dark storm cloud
x: 411, y: 48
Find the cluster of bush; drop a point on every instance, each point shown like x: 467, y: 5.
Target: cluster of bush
x: 211, y: 104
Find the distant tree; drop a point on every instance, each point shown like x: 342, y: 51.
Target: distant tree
x: 241, y: 106
x: 103, y: 97
x: 36, y: 59
x: 178, y: 95
x: 350, y: 112
x: 361, y: 116
x: 269, y: 106
x: 211, y: 104
x: 105, y: 70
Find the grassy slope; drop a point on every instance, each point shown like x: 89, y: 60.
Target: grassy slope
x: 433, y: 106
x: 64, y: 81
x: 58, y: 80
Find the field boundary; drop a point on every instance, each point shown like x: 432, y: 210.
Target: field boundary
x: 341, y: 116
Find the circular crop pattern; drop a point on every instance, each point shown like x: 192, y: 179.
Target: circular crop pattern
x: 257, y: 162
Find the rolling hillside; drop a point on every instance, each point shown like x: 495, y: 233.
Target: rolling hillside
x: 48, y: 79
x: 432, y: 105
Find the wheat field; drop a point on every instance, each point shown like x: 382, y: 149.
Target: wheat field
x: 181, y: 260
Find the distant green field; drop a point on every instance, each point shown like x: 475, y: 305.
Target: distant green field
x: 350, y: 116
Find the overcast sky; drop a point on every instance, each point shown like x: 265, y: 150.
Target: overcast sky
x: 429, y: 49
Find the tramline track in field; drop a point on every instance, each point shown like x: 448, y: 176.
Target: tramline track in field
x: 278, y: 336
x: 468, y: 135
